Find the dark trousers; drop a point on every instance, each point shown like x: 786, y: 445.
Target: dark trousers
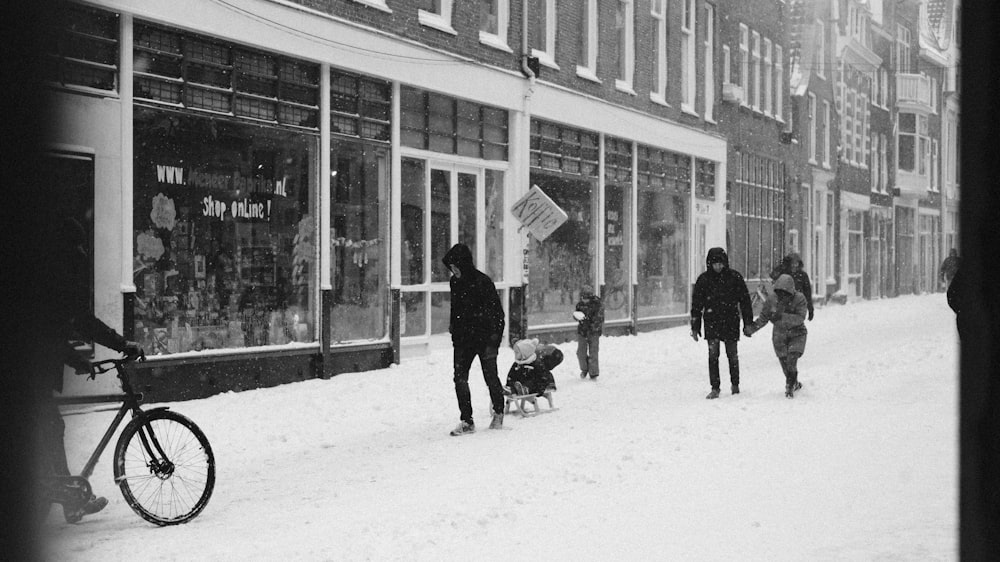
x: 587, y: 348
x: 732, y: 354
x: 789, y: 365
x: 488, y: 361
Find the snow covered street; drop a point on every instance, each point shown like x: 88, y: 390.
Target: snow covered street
x: 861, y: 465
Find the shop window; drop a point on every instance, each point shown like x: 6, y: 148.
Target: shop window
x: 663, y: 210
x: 563, y: 149
x: 85, y: 49
x: 705, y: 180
x: 195, y: 72
x: 444, y: 124
x: 360, y: 106
x: 360, y: 193
x: 617, y: 207
x: 225, y: 233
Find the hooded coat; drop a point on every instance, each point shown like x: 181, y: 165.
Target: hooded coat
x: 801, y: 278
x: 788, y: 315
x: 477, y: 317
x: 720, y: 300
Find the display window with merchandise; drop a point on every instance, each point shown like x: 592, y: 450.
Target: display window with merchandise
x: 224, y: 233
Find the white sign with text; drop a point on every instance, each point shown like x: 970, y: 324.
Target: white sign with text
x: 538, y: 213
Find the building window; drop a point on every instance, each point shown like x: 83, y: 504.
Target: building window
x: 866, y: 130
x: 564, y: 165
x: 440, y: 123
x: 85, y: 52
x: 436, y: 14
x: 664, y: 206
x: 755, y: 70
x: 494, y: 17
x: 625, y: 28
x: 709, y: 62
x: 195, y: 72
x: 912, y: 143
x: 902, y: 49
x: 779, y: 84
x: 226, y: 242
x: 876, y: 178
x: 759, y: 212
x: 360, y: 106
x: 658, y: 13
x: 745, y: 63
x: 768, y: 76
x: 825, y: 134
x: 587, y: 66
x: 727, y: 65
x: 883, y: 163
x: 617, y: 210
x: 543, y: 31
x: 848, y: 127
x: 819, y: 57
x: 813, y: 147
x: 688, y: 74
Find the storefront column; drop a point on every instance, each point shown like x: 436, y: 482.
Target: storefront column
x: 325, y: 282
x: 125, y: 96
x: 633, y: 237
x: 395, y: 228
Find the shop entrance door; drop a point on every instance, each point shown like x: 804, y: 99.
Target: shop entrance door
x: 455, y: 211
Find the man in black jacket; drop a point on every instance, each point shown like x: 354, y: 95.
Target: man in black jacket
x: 476, y: 326
x: 721, y: 298
x: 70, y: 319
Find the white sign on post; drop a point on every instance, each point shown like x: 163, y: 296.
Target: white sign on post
x: 538, y: 213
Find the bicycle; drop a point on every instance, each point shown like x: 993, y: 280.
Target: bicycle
x: 164, y: 464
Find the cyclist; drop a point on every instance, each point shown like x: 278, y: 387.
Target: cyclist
x: 71, y: 318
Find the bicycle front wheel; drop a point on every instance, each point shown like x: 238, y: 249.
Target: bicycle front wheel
x: 165, y: 467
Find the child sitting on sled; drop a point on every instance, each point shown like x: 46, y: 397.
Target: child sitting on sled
x: 531, y: 372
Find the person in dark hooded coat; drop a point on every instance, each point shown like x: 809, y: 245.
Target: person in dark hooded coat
x: 792, y: 265
x: 721, y: 299
x: 476, y: 326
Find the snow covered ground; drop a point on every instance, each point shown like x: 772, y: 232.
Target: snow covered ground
x: 861, y: 465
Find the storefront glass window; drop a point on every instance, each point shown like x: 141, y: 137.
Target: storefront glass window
x: 413, y: 202
x: 494, y: 224
x: 618, y: 184
x: 225, y: 233
x: 662, y: 221
x: 358, y: 210
x: 562, y: 263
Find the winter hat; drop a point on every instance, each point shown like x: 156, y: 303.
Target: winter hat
x: 524, y: 351
x: 785, y: 283
x: 586, y: 291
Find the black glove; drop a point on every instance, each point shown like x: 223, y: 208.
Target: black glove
x: 748, y: 331
x: 132, y: 350
x: 695, y: 329
x: 810, y: 314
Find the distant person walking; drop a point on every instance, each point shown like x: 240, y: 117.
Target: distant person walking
x: 721, y: 299
x: 792, y: 265
x: 476, y: 326
x: 956, y: 296
x: 949, y: 268
x: 786, y: 310
x: 589, y: 315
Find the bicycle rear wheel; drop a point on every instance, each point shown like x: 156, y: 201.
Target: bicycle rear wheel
x: 165, y: 467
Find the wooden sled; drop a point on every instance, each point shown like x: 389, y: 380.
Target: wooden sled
x: 520, y: 402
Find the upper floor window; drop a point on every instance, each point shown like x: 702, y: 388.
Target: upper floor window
x: 819, y: 57
x: 688, y: 86
x: 813, y: 144
x: 709, y: 61
x: 436, y: 14
x: 543, y: 32
x: 440, y: 123
x: 755, y: 80
x: 493, y: 21
x: 86, y: 51
x: 624, y: 26
x: 825, y: 133
x: 744, y: 81
x: 587, y: 65
x: 779, y: 83
x: 768, y: 76
x: 658, y: 13
x: 911, y: 143
x: 902, y: 49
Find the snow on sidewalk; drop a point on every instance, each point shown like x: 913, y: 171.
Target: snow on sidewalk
x: 637, y: 465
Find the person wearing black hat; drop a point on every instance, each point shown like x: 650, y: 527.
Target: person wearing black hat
x: 720, y: 298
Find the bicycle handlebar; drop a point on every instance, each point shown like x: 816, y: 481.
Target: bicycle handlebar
x: 101, y: 367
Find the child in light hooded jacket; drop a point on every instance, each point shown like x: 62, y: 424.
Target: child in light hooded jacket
x: 786, y: 310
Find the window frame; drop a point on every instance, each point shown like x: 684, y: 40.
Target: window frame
x: 589, y: 70
x: 440, y: 21
x: 779, y: 83
x: 709, y: 44
x: 659, y: 91
x: 768, y: 77
x: 689, y: 20
x: 811, y: 110
x: 745, y: 64
x: 627, y: 42
x: 498, y: 40
x: 755, y: 58
x: 548, y: 56
x: 826, y: 134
